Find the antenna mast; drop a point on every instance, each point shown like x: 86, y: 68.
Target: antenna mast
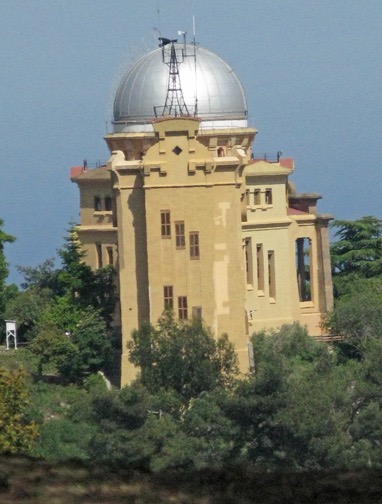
x: 159, y: 24
x: 195, y: 76
x: 174, y: 104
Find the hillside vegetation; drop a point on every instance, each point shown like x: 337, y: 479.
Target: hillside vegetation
x: 190, y: 422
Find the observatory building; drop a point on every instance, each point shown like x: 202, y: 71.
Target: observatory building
x: 188, y: 215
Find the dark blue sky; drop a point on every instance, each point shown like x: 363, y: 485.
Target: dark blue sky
x: 311, y: 71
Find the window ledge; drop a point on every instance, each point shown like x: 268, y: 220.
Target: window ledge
x: 306, y: 304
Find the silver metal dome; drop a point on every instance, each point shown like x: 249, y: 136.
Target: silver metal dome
x: 206, y: 80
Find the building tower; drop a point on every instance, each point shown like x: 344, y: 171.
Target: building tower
x: 187, y: 215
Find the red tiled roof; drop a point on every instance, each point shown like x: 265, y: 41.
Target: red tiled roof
x: 284, y: 162
x: 76, y: 170
x: 287, y: 162
x: 294, y: 211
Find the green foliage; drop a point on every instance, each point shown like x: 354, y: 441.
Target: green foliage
x: 261, y: 404
x: 95, y: 384
x: 53, y: 347
x: 74, y: 300
x: 357, y: 277
x: 83, y: 286
x: 103, y: 292
x: 306, y: 407
x: 319, y: 412
x: 27, y: 307
x: 20, y: 359
x: 288, y: 404
x: 184, y: 357
x: 208, y: 432
x: 44, y: 276
x: 11, y: 291
x: 62, y: 314
x: 94, y: 350
x: 303, y: 409
x: 57, y: 296
x: 358, y: 314
x: 51, y: 401
x: 17, y: 434
x: 372, y: 367
x: 84, y: 349
x: 127, y: 408
x: 358, y: 251
x: 140, y: 430
x: 4, y: 238
x: 74, y: 276
x: 63, y: 440
x: 119, y: 416
x: 63, y: 414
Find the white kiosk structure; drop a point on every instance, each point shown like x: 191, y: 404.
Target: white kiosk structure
x: 11, y: 332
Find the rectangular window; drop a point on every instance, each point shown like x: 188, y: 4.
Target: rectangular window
x: 271, y: 274
x: 260, y: 267
x: 97, y: 204
x: 268, y: 197
x: 194, y: 245
x: 257, y: 198
x: 247, y: 197
x: 248, y: 260
x: 110, y: 255
x: 180, y: 239
x: 197, y: 312
x: 168, y: 296
x: 303, y: 267
x: 108, y: 204
x: 99, y: 255
x: 182, y: 308
x: 165, y: 224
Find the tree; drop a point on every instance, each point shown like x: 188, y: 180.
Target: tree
x: 320, y: 404
x: 307, y: 407
x: 120, y: 416
x: 43, y: 276
x: 358, y: 314
x: 27, y: 308
x: 357, y: 277
x: 358, y: 251
x: 156, y: 432
x: 289, y: 402
x: 81, y: 284
x: 94, y: 349
x: 54, y: 297
x: 17, y: 434
x: 75, y: 276
x: 75, y: 340
x: 52, y: 347
x: 61, y: 314
x: 209, y: 435
x: 4, y: 238
x: 183, y: 356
